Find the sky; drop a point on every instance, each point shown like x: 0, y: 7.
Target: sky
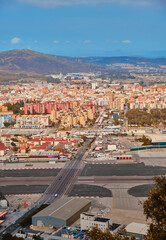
x: 85, y: 27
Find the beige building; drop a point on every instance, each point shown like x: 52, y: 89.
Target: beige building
x: 119, y: 103
x: 90, y: 114
x: 111, y: 99
x: 53, y: 115
x: 69, y: 118
x: 82, y: 121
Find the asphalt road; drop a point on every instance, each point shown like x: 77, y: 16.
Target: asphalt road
x: 66, y: 178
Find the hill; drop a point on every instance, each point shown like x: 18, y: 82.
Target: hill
x: 26, y: 60
x: 31, y: 61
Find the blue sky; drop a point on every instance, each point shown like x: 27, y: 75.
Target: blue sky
x: 84, y: 27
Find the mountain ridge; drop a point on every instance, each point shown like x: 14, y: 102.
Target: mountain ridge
x: 31, y: 61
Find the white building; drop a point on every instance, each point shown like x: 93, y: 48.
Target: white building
x: 88, y: 221
x: 32, y: 121
x: 94, y: 85
x: 139, y: 230
x: 111, y: 147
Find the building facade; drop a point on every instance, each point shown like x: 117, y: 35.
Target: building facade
x: 88, y: 221
x: 32, y: 121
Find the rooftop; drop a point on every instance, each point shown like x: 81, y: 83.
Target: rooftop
x: 138, y: 228
x: 63, y: 208
x: 98, y: 219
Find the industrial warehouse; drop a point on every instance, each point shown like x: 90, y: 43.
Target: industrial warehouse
x: 62, y: 212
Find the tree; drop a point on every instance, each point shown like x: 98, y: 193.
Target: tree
x: 96, y: 234
x: 8, y: 236
x: 37, y: 238
x: 6, y: 124
x: 155, y: 209
x: 116, y: 122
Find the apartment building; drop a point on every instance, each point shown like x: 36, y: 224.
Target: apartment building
x: 5, y: 119
x: 119, y: 104
x: 32, y: 121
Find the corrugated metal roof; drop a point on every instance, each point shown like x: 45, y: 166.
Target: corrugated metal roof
x: 64, y: 208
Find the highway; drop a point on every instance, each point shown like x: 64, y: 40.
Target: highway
x: 65, y: 178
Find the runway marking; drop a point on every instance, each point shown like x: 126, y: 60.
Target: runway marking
x: 85, y: 197
x: 12, y: 169
x: 85, y: 181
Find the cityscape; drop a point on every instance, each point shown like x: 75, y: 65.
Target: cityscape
x: 82, y: 127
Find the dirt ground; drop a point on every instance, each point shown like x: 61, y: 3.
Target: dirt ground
x: 17, y: 201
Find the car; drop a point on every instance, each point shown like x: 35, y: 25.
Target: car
x: 56, y: 195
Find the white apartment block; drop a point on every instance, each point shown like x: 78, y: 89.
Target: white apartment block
x: 88, y: 221
x: 32, y: 121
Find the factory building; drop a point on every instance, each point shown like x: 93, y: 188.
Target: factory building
x: 62, y: 212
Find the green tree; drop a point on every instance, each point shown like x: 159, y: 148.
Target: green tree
x: 155, y: 209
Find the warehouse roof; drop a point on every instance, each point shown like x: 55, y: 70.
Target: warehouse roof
x: 137, y: 228
x: 63, y: 208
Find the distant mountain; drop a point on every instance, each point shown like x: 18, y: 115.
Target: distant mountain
x: 130, y: 60
x: 31, y: 61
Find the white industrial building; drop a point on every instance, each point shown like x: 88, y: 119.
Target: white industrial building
x: 88, y: 221
x: 139, y: 230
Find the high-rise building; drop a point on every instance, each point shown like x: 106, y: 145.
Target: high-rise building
x: 111, y: 99
x: 53, y: 116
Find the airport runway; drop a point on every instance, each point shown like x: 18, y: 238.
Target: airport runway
x: 25, y: 181
x: 115, y: 179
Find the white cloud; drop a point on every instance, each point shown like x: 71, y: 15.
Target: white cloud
x: 56, y: 41
x: 54, y: 3
x: 15, y: 40
x: 67, y: 41
x: 126, y: 41
x: 87, y: 41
